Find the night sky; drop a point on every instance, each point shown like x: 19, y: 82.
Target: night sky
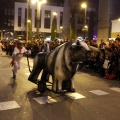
x: 95, y: 1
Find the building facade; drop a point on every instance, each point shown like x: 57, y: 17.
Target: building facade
x: 14, y: 16
x: 109, y: 10
x: 46, y: 17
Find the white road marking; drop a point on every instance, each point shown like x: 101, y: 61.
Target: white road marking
x: 115, y: 89
x: 74, y: 95
x: 44, y: 100
x: 8, y: 105
x: 99, y: 92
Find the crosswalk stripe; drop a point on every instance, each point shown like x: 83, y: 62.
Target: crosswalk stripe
x: 44, y: 100
x: 8, y: 105
x: 99, y: 92
x: 75, y: 95
x: 115, y: 89
x: 48, y: 99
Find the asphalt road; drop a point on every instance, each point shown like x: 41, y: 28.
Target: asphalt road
x: 95, y: 98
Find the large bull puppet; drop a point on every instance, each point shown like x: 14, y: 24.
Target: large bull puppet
x: 60, y: 63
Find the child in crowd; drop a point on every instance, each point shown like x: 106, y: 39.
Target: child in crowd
x: 106, y: 65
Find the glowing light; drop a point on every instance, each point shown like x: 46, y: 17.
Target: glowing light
x: 61, y: 27
x: 86, y: 26
x: 55, y: 13
x: 28, y: 21
x: 83, y: 5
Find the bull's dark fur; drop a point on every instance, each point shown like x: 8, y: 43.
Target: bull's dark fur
x: 59, y: 63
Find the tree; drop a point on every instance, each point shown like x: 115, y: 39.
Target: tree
x: 54, y: 28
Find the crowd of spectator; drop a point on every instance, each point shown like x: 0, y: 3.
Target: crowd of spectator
x: 33, y: 45
x: 105, y: 62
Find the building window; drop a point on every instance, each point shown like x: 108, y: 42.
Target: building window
x: 61, y: 18
x: 25, y: 16
x: 19, y: 16
x: 13, y: 12
x: 5, y: 22
x: 9, y: 11
x: 5, y: 11
x: 10, y: 22
x: 47, y: 19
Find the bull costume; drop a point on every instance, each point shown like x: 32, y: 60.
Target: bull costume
x: 17, y: 55
x: 60, y: 63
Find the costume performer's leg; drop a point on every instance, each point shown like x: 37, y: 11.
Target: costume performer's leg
x: 39, y: 64
x: 45, y: 75
x: 15, y: 68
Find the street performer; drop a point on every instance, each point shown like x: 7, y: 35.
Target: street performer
x: 17, y: 55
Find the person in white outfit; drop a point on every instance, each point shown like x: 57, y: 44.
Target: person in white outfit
x: 1, y: 46
x: 17, y: 55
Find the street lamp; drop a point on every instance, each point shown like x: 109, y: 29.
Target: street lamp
x: 85, y: 26
x: 39, y: 3
x: 84, y: 5
x: 55, y: 20
x: 61, y: 28
x: 27, y: 20
x: 55, y: 13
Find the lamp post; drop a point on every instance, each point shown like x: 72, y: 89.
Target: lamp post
x: 61, y: 28
x: 39, y: 3
x: 27, y: 20
x: 84, y: 5
x: 86, y: 29
x: 55, y: 22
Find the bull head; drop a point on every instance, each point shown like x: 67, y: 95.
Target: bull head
x: 79, y: 51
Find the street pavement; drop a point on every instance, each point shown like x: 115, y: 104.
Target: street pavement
x: 95, y: 98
